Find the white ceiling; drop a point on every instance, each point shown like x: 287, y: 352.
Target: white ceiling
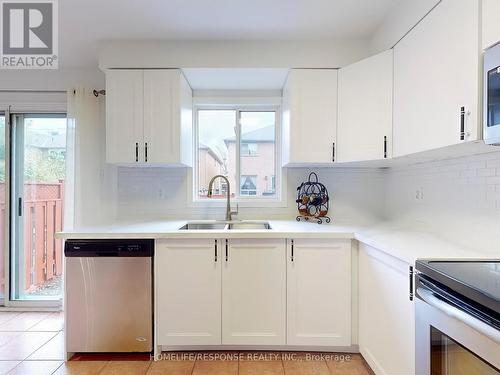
x: 84, y: 23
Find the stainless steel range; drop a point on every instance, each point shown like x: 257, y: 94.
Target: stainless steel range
x: 457, y: 317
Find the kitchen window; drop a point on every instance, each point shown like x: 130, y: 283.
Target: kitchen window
x: 249, y: 148
x: 248, y: 185
x: 240, y: 143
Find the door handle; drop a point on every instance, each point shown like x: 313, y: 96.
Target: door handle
x: 19, y: 206
x: 215, y: 249
x: 450, y: 310
x: 291, y: 257
x: 136, y: 152
x: 385, y: 147
x: 333, y: 152
x: 227, y: 250
x: 146, y: 152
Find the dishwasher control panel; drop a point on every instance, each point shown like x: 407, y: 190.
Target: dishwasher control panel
x: 109, y: 248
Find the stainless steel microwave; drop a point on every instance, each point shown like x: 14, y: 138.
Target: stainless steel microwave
x: 491, y: 115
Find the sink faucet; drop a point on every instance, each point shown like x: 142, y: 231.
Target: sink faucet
x: 229, y: 213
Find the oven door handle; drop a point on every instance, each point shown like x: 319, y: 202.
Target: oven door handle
x: 450, y: 310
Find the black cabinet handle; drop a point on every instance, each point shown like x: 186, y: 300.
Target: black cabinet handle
x: 385, y: 147
x: 411, y: 283
x: 146, y: 152
x: 136, y: 152
x: 462, y: 123
x: 291, y: 257
x: 19, y: 206
x: 333, y: 152
x: 227, y: 250
x: 215, y: 249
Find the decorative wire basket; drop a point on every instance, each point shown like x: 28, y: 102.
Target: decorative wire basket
x: 313, y: 200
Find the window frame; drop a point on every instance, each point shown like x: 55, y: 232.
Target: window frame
x: 252, y: 105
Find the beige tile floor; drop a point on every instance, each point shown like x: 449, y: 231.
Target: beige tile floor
x: 32, y: 344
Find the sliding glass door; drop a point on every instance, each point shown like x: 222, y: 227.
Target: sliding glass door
x: 3, y: 216
x: 37, y: 203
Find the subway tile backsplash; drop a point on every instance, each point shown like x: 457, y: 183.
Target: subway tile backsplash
x: 162, y: 193
x: 459, y: 199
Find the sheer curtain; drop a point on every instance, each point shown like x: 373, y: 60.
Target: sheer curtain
x: 89, y: 180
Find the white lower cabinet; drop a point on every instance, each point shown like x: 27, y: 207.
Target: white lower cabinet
x: 319, y: 292
x: 254, y: 292
x: 386, y: 314
x: 248, y: 291
x: 188, y: 292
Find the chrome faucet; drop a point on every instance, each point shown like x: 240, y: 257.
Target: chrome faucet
x: 229, y: 213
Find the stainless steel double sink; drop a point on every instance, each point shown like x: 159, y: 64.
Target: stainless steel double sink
x: 226, y: 225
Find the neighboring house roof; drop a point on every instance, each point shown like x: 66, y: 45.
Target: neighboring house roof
x: 266, y: 134
x: 212, y: 153
x: 46, y: 140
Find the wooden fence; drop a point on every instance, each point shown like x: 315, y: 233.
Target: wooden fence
x: 43, y: 216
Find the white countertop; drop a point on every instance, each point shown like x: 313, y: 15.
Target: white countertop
x: 402, y: 243
x: 170, y: 229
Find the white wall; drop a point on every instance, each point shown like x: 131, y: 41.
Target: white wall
x: 162, y: 193
x: 461, y: 199
x: 61, y: 79
x: 234, y: 54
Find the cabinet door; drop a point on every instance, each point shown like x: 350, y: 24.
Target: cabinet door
x: 491, y: 23
x: 319, y: 293
x: 161, y: 123
x: 312, y: 115
x: 188, y: 292
x: 124, y: 116
x: 436, y: 72
x: 254, y: 292
x: 386, y: 315
x: 365, y: 109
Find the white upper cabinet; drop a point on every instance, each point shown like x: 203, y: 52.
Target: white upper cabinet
x: 309, y: 116
x: 148, y: 117
x: 319, y: 292
x: 124, y: 116
x: 491, y: 23
x: 436, y: 80
x: 254, y: 292
x: 364, y: 130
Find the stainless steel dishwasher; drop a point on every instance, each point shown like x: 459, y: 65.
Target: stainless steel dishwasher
x: 109, y: 295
